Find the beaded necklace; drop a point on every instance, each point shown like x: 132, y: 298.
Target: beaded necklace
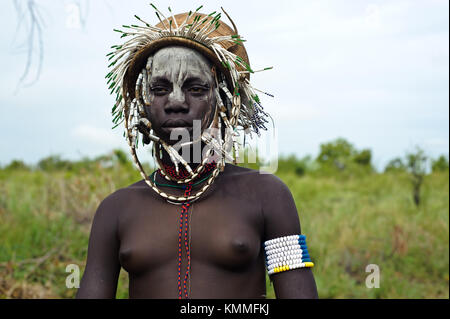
x: 184, y: 219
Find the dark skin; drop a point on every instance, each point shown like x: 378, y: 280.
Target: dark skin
x: 135, y: 228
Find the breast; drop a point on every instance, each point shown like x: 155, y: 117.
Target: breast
x: 227, y: 235
x: 145, y: 249
x: 138, y: 260
x: 241, y: 253
x: 233, y: 248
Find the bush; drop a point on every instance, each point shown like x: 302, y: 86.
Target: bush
x: 54, y: 163
x: 295, y: 165
x: 121, y: 157
x: 395, y: 165
x: 17, y: 165
x: 364, y: 157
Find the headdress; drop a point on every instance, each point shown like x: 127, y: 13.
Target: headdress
x: 237, y: 106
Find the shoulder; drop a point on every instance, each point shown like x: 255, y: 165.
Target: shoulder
x: 119, y: 200
x: 266, y: 183
x: 121, y: 195
x: 277, y: 203
x: 136, y: 189
x: 232, y: 170
x: 268, y: 188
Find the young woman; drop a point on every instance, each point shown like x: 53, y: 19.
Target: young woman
x: 199, y: 226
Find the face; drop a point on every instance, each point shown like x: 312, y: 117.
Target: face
x: 181, y: 91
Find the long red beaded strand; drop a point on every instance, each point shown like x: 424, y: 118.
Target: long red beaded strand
x: 170, y: 170
x: 186, y: 242
x: 184, y: 213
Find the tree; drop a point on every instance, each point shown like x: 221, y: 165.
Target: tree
x: 29, y: 11
x: 336, y: 153
x: 440, y: 164
x: 29, y: 16
x: 341, y: 154
x: 416, y: 164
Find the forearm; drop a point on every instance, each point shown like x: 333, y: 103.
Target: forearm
x: 94, y: 286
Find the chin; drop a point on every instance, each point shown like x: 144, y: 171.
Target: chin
x: 183, y: 134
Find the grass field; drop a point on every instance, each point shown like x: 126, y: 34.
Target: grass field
x: 350, y: 222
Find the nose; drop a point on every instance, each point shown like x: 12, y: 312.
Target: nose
x: 176, y: 101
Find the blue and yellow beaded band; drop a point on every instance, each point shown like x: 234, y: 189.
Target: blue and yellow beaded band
x: 286, y: 253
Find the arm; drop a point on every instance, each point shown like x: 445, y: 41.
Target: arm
x: 102, y: 266
x: 281, y: 219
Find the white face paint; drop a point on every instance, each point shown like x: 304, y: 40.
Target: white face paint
x: 179, y: 65
x: 175, y: 63
x: 181, y: 87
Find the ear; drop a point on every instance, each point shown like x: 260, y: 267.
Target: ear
x: 213, y: 109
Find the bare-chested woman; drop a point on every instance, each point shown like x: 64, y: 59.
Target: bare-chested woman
x: 216, y: 249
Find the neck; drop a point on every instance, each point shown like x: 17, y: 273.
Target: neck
x: 192, y: 154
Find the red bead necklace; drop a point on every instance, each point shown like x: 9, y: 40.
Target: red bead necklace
x: 183, y: 173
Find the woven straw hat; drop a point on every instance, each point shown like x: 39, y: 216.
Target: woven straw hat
x: 141, y: 56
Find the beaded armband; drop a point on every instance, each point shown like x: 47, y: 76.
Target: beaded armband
x: 286, y: 253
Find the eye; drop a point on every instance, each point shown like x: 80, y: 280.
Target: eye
x: 159, y: 90
x: 197, y: 90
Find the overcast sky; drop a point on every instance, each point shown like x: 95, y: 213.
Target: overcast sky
x: 373, y: 72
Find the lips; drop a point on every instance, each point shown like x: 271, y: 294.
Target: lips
x: 176, y: 123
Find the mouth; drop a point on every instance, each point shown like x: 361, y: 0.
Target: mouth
x: 178, y: 126
x: 179, y: 123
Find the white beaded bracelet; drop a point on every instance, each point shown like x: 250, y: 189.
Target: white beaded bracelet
x: 286, y: 253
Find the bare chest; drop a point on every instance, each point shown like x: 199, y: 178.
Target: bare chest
x: 222, y: 231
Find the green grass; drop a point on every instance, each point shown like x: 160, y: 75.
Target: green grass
x: 350, y: 221
x: 373, y: 220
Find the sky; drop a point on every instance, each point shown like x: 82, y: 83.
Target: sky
x: 373, y: 72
